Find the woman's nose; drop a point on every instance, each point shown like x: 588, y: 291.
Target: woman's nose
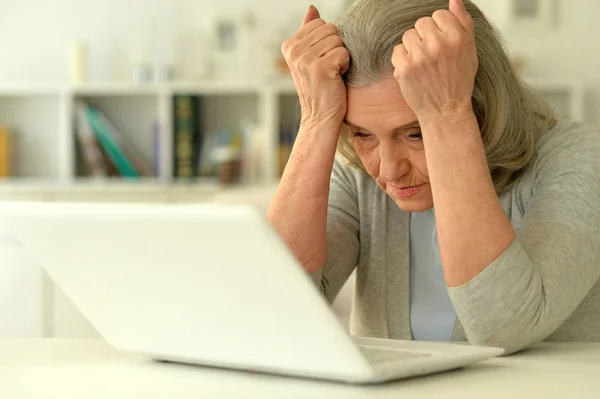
x: 393, y: 163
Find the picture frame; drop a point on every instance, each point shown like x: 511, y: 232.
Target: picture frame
x: 531, y: 14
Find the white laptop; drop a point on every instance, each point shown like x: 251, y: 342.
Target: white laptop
x: 209, y: 285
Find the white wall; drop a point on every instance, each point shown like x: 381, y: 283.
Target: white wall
x: 35, y: 35
x: 569, y: 49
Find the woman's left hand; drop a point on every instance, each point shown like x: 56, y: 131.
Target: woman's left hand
x: 436, y: 63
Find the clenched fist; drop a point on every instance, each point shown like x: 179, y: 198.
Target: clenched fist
x: 436, y: 63
x: 317, y: 60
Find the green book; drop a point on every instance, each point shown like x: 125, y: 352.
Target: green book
x: 110, y: 145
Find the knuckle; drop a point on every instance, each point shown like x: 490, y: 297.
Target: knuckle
x: 421, y: 22
x: 322, y: 66
x: 344, y: 54
x: 418, y: 60
x: 455, y: 39
x: 294, y: 52
x: 285, y: 47
x: 318, y: 23
x: 440, y: 14
x: 469, y: 18
x: 331, y: 28
x: 403, y: 70
x: 338, y: 42
x: 470, y: 23
x: 435, y: 48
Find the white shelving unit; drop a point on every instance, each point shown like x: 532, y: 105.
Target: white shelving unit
x: 41, y: 115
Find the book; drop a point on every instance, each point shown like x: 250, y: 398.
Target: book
x: 93, y: 157
x: 6, y: 152
x: 187, y: 136
x: 110, y: 145
x: 129, y: 149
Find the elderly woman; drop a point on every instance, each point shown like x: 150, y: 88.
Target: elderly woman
x: 468, y: 208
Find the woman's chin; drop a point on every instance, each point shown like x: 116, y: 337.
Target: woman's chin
x: 413, y: 204
x: 421, y: 201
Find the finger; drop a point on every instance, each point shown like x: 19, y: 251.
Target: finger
x: 411, y: 40
x: 399, y: 55
x: 340, y: 58
x: 320, y: 34
x: 311, y: 15
x: 446, y: 22
x: 326, y: 45
x: 308, y: 28
x: 426, y: 27
x: 345, y: 66
x: 457, y: 8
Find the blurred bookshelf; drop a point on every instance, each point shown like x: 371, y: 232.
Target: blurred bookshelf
x: 140, y: 137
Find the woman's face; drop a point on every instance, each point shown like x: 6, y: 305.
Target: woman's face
x: 387, y: 138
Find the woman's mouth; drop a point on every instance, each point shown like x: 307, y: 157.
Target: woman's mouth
x: 405, y: 192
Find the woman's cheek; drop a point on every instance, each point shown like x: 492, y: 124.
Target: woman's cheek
x: 369, y: 158
x: 420, y: 163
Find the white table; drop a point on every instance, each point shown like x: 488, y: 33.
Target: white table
x: 90, y: 369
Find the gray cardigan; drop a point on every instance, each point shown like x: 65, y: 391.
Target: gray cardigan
x: 545, y: 286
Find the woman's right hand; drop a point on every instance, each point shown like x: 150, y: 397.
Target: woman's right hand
x: 317, y: 60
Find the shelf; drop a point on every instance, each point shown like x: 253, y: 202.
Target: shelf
x: 280, y: 85
x: 214, y: 88
x: 283, y: 85
x: 30, y: 89
x: 115, y: 89
x: 107, y: 185
x: 140, y: 191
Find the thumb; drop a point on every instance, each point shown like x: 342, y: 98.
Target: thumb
x: 457, y: 8
x: 311, y: 14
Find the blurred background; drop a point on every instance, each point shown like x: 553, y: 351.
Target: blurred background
x: 190, y: 101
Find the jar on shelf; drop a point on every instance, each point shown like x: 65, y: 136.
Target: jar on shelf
x: 227, y: 161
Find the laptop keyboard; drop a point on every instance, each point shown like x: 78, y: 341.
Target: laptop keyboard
x: 379, y: 355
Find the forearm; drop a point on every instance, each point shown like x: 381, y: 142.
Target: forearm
x: 473, y: 229
x: 298, y: 211
x: 507, y: 305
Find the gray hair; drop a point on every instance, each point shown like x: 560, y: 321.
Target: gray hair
x: 511, y: 115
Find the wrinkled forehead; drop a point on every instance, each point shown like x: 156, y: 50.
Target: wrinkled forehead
x: 378, y: 108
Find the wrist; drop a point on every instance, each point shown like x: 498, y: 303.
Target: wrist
x: 462, y: 118
x: 321, y: 126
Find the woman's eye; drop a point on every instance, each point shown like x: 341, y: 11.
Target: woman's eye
x: 361, y: 135
x: 416, y: 136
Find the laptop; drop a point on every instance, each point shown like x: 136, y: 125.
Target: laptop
x: 209, y: 285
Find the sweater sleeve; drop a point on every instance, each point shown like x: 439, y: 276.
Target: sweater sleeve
x: 342, y: 232
x: 535, y: 285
